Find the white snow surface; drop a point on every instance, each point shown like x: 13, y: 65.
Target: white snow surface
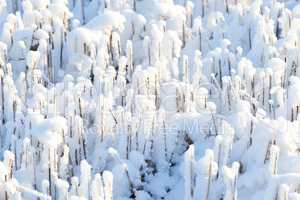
x: 149, y: 99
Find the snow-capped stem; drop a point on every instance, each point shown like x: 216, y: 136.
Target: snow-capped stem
x: 185, y: 69
x: 129, y: 55
x: 148, y: 50
x: 203, y: 5
x: 61, y: 48
x: 165, y: 141
x: 283, y: 192
x: 209, y: 179
x: 131, y: 186
x: 230, y: 176
x: 102, y: 124
x: 128, y: 144
x: 220, y: 74
x: 249, y: 38
x: 251, y: 133
x: 82, y: 11
x: 85, y: 178
x: 9, y: 162
x: 218, y: 152
x: 189, y: 12
x: 273, y: 161
x: 134, y: 5
x: 183, y: 34
x: 49, y: 64
x: 189, y: 173
x: 200, y: 39
x: 49, y: 174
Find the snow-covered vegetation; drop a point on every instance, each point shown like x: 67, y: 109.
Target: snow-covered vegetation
x: 149, y: 99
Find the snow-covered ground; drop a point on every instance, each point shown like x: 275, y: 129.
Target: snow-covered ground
x: 149, y: 99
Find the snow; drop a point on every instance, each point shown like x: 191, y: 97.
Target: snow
x: 107, y: 21
x: 149, y: 99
